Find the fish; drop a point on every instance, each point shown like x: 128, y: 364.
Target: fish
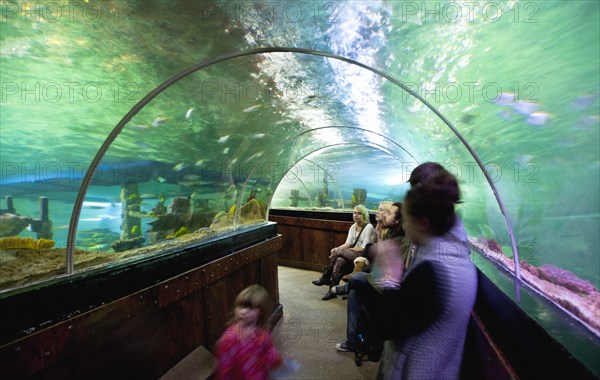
x: 588, y: 123
x: 223, y: 139
x: 584, y: 101
x: 467, y: 118
x: 189, y: 113
x: 506, y: 114
x: 142, y: 145
x: 108, y: 217
x: 161, y: 179
x: 191, y: 182
x: 525, y: 108
x: 97, y: 247
x: 148, y: 196
x: 139, y: 127
x: 253, y: 108
x: 191, y: 177
x: 506, y: 99
x: 97, y: 205
x: 250, y: 158
x: 199, y: 163
x: 226, y: 150
x: 538, y: 118
x: 159, y: 121
x: 259, y: 136
x: 179, y: 167
x: 525, y: 159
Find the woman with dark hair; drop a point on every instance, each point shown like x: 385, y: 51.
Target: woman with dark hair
x: 361, y: 293
x: 425, y: 311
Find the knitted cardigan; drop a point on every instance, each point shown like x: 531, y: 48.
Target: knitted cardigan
x: 426, y: 319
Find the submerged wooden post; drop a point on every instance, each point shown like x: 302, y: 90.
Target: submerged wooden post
x: 323, y: 194
x: 294, y: 197
x: 359, y: 197
x: 131, y: 226
x: 9, y: 205
x: 43, y: 209
x: 45, y: 229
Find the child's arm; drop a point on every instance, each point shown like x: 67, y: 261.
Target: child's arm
x: 274, y: 358
x: 226, y: 353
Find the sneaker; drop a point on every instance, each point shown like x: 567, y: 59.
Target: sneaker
x: 343, y: 347
x: 340, y: 290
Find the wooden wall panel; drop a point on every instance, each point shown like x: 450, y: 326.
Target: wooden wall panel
x: 267, y: 278
x: 145, y: 333
x: 292, y: 243
x: 316, y: 246
x: 307, y: 242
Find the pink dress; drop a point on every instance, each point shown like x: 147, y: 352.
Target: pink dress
x: 247, y: 357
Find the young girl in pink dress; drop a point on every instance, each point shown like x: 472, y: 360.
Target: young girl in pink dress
x: 246, y: 349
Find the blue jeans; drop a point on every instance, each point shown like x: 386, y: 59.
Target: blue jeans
x: 360, y: 296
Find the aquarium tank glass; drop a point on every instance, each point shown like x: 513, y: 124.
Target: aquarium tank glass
x: 140, y: 127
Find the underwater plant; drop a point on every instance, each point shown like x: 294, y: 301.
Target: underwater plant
x: 251, y: 196
x: 182, y: 231
x: 134, y: 199
x: 160, y: 208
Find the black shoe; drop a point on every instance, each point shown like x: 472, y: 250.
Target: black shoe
x: 320, y: 282
x: 329, y: 295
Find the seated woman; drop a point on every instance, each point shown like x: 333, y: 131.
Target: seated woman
x: 361, y: 233
x: 381, y: 230
x: 425, y: 311
x: 361, y: 292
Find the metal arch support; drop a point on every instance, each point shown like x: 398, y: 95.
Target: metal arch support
x: 312, y: 130
x: 192, y: 69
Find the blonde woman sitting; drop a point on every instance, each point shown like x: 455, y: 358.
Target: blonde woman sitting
x: 361, y: 233
x: 381, y: 232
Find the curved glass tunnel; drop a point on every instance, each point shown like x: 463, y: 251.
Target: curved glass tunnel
x: 213, y: 153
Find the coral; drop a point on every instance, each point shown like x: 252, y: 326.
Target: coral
x: 494, y: 246
x: 29, y: 243
x: 222, y: 219
x: 182, y: 231
x: 159, y: 209
x: 566, y: 279
x: 12, y: 225
x: 530, y: 268
x: 125, y: 244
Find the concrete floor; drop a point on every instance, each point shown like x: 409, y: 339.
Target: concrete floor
x: 310, y: 328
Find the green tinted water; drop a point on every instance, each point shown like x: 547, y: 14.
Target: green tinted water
x: 519, y: 80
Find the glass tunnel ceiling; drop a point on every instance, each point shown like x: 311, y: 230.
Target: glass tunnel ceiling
x: 265, y: 168
x: 296, y: 117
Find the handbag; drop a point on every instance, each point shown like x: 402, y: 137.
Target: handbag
x: 358, y: 237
